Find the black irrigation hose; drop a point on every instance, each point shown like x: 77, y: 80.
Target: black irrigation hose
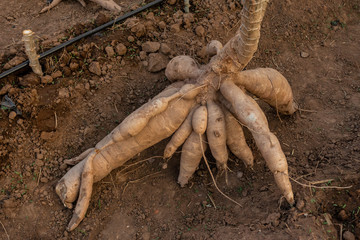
x: 71, y: 41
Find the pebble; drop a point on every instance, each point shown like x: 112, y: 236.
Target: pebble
x: 46, y: 135
x: 94, y: 67
x: 348, y: 235
x: 44, y: 180
x: 12, y: 115
x: 157, y: 62
x: 46, y: 79
x: 304, y: 54
x: 200, y: 31
x: 63, y: 93
x: 13, y: 62
x: 239, y: 174
x: 142, y: 55
x: 109, y: 51
x: 300, y: 205
x: 39, y: 162
x: 131, y: 39
x: 63, y: 166
x: 29, y: 79
x: 162, y: 25
x: 165, y: 49
x: 150, y: 47
x: 120, y: 49
x: 74, y: 66
x: 40, y: 156
x: 56, y: 74
x: 5, y: 89
x: 175, y: 28
x: 342, y: 215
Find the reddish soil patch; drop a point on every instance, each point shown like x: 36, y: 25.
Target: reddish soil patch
x: 314, y: 44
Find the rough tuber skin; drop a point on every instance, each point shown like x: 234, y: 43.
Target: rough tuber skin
x: 209, y: 100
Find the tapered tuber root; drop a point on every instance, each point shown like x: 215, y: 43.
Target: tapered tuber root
x: 107, y: 4
x: 206, y: 106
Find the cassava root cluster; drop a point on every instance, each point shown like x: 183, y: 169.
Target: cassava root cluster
x: 205, y: 107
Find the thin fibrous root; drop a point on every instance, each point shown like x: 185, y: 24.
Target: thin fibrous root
x: 212, y: 177
x: 311, y: 185
x: 76, y: 160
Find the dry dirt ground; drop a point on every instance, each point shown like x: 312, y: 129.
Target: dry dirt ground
x: 315, y: 44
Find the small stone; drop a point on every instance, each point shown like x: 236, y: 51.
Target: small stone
x: 342, y: 215
x: 300, y: 205
x: 46, y: 135
x: 110, y: 51
x: 150, y: 47
x: 145, y: 63
x: 63, y: 166
x: 44, y: 180
x: 146, y: 236
x: 46, y: 79
x: 304, y: 54
x: 29, y: 79
x: 150, y: 16
x: 87, y: 86
x: 13, y: 62
x: 74, y: 66
x: 175, y: 28
x: 188, y: 19
x: 142, y: 55
x: 162, y: 25
x: 39, y: 163
x: 120, y: 49
x: 139, y: 30
x: 94, y: 67
x: 67, y: 71
x: 239, y: 174
x: 101, y: 19
x: 200, y: 31
x: 56, y: 74
x: 40, y: 156
x: 131, y: 39
x: 157, y: 62
x: 165, y: 49
x: 63, y: 93
x: 12, y: 115
x: 5, y: 89
x: 348, y: 235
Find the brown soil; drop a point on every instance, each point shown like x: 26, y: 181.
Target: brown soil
x: 315, y: 44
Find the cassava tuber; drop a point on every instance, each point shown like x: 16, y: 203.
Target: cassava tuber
x: 210, y: 98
